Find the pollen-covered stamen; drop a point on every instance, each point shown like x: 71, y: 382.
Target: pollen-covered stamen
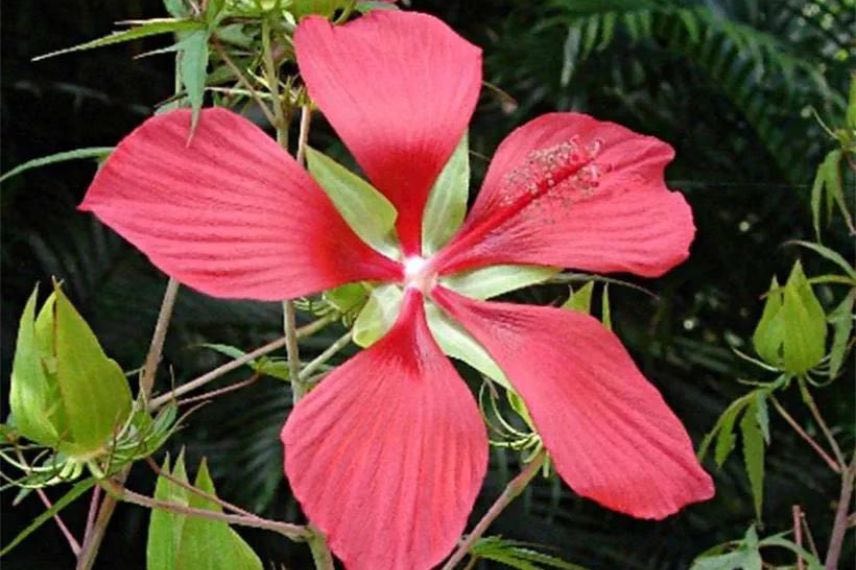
x: 567, y: 171
x: 419, y: 274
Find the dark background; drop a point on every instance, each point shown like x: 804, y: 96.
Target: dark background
x: 731, y: 92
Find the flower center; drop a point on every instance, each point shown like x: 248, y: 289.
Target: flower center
x: 418, y: 274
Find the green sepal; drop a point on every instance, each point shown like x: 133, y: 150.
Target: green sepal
x: 791, y: 334
x: 364, y: 208
x: 487, y: 282
x: 447, y: 203
x: 378, y: 315
x: 580, y: 300
x: 62, y: 374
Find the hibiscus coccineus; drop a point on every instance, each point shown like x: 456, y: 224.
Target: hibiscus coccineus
x: 388, y: 453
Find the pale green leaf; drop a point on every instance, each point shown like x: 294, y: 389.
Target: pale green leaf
x: 762, y: 415
x: 447, y: 202
x: 212, y: 545
x: 487, y: 282
x: 829, y: 254
x: 378, y: 315
x: 458, y: 343
x: 769, y: 333
x: 193, y: 68
x: 753, y: 455
x: 606, y: 311
x: 580, y: 300
x: 97, y: 152
x: 165, y: 528
x: 365, y: 209
x: 841, y: 319
x: 144, y: 29
x: 722, y: 431
x: 811, y: 561
x: 347, y: 298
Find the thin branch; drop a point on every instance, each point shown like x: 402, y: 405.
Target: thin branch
x: 809, y: 401
x: 220, y: 391
x: 839, y: 526
x: 147, y: 378
x: 92, y: 542
x: 802, y: 433
x: 288, y: 530
x: 313, y: 366
x: 197, y: 491
x: 93, y: 511
x: 797, y: 518
x: 321, y: 555
x: 200, y: 381
x: 303, y: 135
x: 511, y: 491
x: 72, y: 542
x: 242, y: 80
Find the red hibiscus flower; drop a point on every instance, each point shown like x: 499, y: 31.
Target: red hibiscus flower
x: 388, y: 453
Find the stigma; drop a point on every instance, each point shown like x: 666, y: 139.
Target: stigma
x: 418, y: 274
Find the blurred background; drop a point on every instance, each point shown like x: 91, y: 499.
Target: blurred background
x: 731, y: 84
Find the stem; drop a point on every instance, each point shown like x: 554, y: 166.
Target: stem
x: 839, y: 526
x: 322, y: 358
x: 810, y: 440
x: 72, y: 542
x: 809, y: 401
x: 147, y: 378
x: 242, y: 80
x: 511, y: 491
x: 797, y: 518
x: 220, y: 391
x: 303, y: 331
x: 321, y: 555
x: 291, y: 531
x: 92, y: 540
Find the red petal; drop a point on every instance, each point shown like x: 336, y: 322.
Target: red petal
x: 571, y: 191
x: 608, y: 431
x: 387, y: 455
x: 229, y: 213
x: 399, y: 88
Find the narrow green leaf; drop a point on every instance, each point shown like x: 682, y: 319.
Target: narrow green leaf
x: 580, y: 300
x: 145, y: 29
x: 77, y: 490
x: 208, y: 544
x: 725, y: 423
x: 762, y: 415
x: 816, y: 199
x: 829, y: 254
x: 753, y: 455
x: 266, y: 366
x: 378, y: 315
x: 165, y: 528
x: 447, y: 202
x: 487, y: 282
x: 812, y: 562
x: 367, y: 211
x: 193, y: 68
x: 606, y: 311
x: 457, y: 343
x: 95, y: 393
x: 841, y: 319
x: 97, y: 152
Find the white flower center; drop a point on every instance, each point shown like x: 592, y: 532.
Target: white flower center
x: 418, y: 274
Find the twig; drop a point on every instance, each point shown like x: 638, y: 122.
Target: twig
x: 802, y: 433
x: 797, y: 517
x: 197, y: 491
x: 321, y: 555
x: 288, y: 530
x: 241, y: 79
x: 839, y: 526
x: 147, y: 378
x: 200, y: 381
x: 93, y: 510
x: 511, y: 491
x: 220, y: 391
x: 809, y: 401
x: 72, y: 542
x: 312, y: 366
x: 95, y: 532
